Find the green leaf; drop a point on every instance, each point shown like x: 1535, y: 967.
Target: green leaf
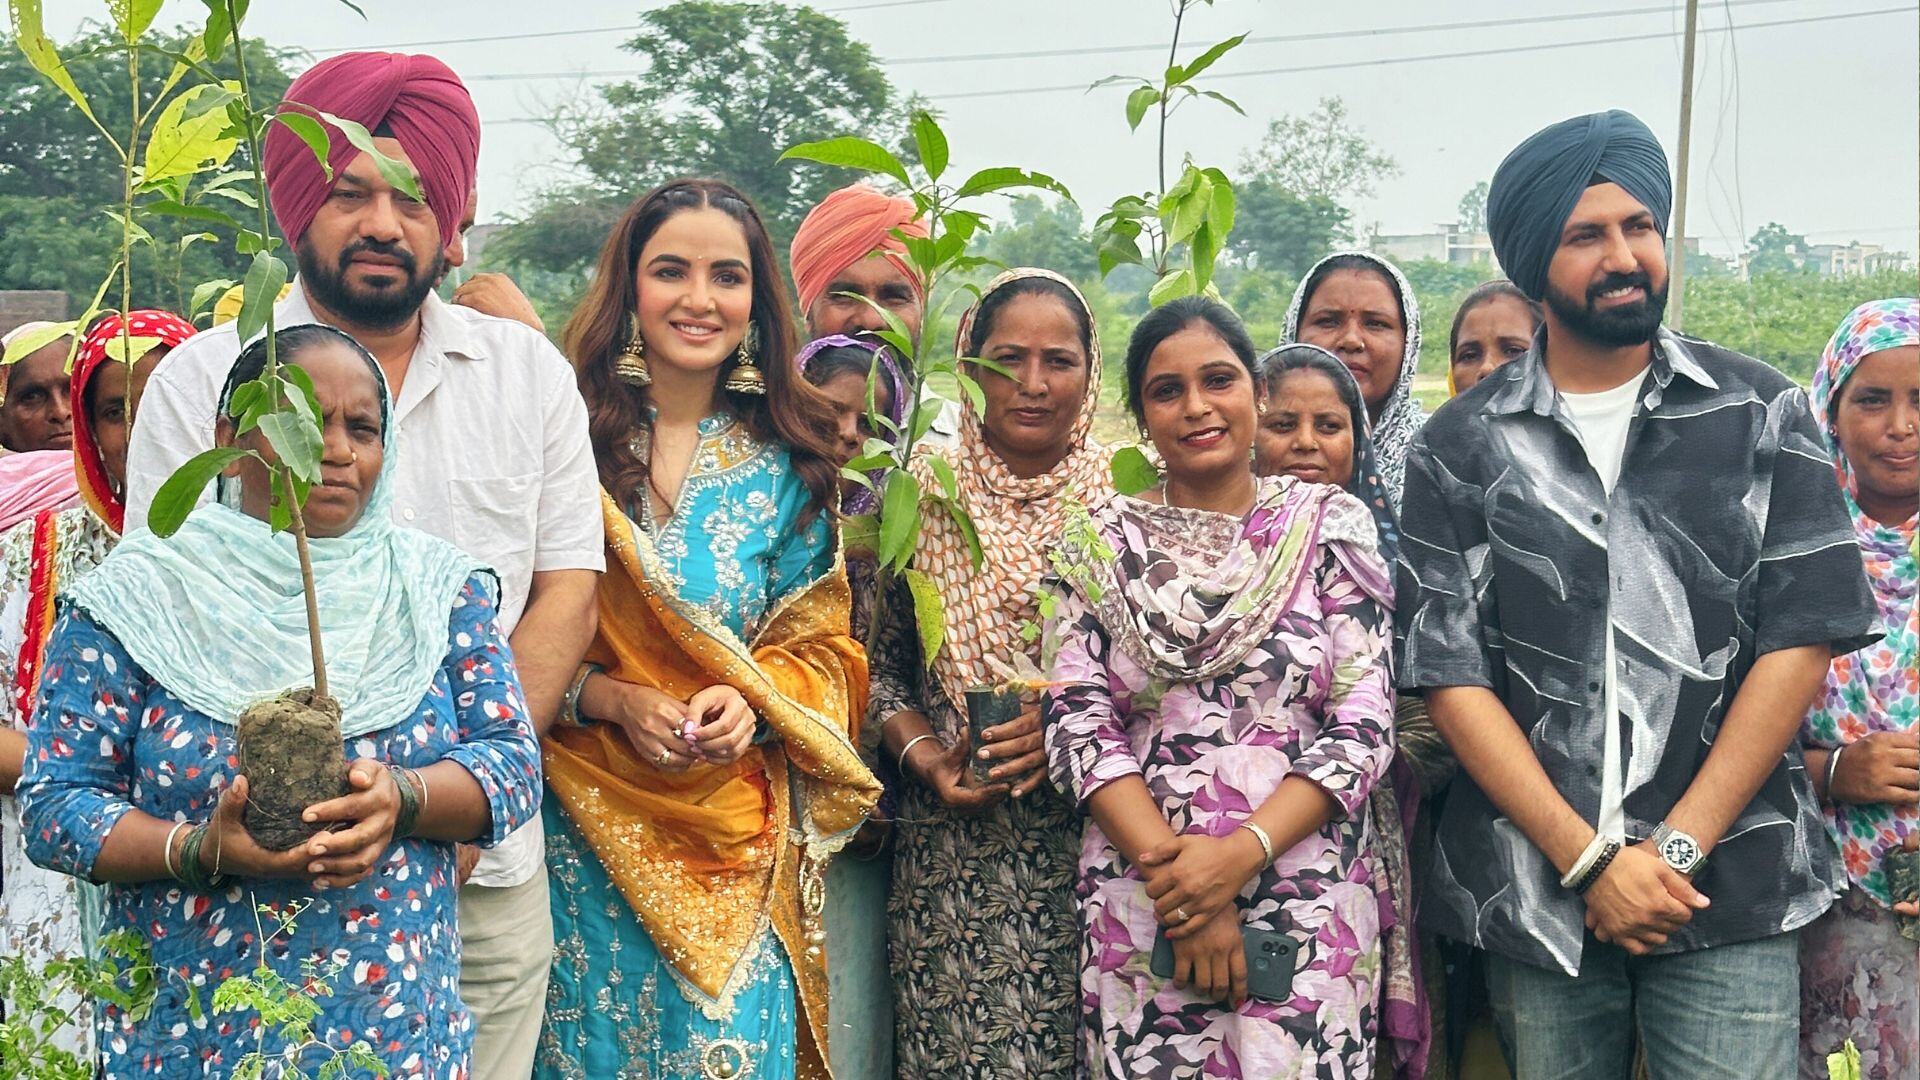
x: 132, y: 17
x: 398, y: 174
x: 135, y: 231
x: 1191, y: 209
x: 32, y: 41
x: 931, y: 142
x: 261, y: 291
x: 295, y: 442
x: 849, y: 152
x: 202, y: 100
x: 219, y: 28
x: 1224, y: 100
x: 853, y: 475
x: 248, y: 242
x: 297, y: 387
x: 1003, y: 177
x: 191, y: 239
x: 180, y: 146
x: 1202, y: 249
x: 1111, y: 79
x: 34, y: 340
x: 1206, y: 59
x: 311, y: 132
x: 943, y: 472
x: 970, y: 386
x: 1132, y: 472
x: 929, y: 613
x: 181, y: 491
x: 129, y: 350
x: 1138, y: 102
x: 1220, y: 212
x: 207, y: 292
x: 1172, y: 287
x: 169, y: 208
x: 899, y: 517
x: 968, y: 532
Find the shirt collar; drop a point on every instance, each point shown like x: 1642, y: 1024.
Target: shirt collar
x: 441, y: 329
x: 1528, y: 388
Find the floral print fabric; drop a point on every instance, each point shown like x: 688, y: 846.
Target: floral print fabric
x: 1877, y: 688
x: 1310, y: 699
x: 108, y: 740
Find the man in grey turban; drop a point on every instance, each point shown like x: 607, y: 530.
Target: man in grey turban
x: 1624, y: 568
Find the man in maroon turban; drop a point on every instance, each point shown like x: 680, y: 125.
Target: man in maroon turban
x: 496, y: 456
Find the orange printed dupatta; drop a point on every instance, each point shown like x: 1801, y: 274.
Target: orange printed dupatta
x: 710, y: 857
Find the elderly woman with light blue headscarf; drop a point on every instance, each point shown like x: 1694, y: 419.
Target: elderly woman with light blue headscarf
x: 132, y: 774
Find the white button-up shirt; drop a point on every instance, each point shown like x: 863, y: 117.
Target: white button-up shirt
x: 493, y: 456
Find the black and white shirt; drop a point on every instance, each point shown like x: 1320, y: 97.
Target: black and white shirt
x: 1724, y: 538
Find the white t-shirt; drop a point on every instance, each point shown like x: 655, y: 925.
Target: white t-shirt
x: 493, y: 456
x: 1602, y: 419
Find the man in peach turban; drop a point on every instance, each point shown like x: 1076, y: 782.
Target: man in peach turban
x: 846, y: 245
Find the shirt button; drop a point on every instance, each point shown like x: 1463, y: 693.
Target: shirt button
x: 407, y: 513
x: 1593, y: 687
x: 1598, y: 518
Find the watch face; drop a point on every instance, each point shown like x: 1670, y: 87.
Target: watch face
x: 1680, y: 851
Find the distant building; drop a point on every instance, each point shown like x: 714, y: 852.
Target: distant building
x: 31, y: 305
x: 1447, y: 243
x: 1852, y: 259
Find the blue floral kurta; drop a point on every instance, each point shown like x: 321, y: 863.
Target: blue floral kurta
x: 615, y: 1008
x: 107, y: 740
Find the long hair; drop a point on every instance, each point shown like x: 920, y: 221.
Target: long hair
x: 791, y: 413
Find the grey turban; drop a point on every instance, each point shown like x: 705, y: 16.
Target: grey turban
x: 1538, y: 184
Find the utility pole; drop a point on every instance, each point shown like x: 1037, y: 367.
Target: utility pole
x: 1677, y: 280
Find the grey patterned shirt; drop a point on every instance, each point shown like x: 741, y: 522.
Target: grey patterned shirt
x: 1725, y: 538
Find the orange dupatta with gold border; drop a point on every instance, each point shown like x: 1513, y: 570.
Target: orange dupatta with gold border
x: 709, y: 857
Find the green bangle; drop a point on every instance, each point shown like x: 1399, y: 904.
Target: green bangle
x: 409, y: 815
x: 192, y: 873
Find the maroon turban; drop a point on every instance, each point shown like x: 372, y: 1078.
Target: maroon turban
x: 416, y: 98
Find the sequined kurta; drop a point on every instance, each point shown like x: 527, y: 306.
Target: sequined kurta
x: 733, y: 550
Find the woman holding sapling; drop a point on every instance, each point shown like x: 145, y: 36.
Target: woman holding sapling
x: 1220, y: 707
x: 701, y: 772
x: 132, y: 775
x: 981, y: 925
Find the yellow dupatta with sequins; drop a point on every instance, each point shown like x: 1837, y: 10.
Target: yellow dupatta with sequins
x: 710, y: 857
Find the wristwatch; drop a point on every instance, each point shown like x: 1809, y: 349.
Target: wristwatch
x: 1677, y: 849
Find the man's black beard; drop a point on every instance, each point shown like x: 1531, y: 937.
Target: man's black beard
x: 1614, y: 327
x: 381, y: 310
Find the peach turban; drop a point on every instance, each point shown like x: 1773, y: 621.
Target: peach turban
x: 847, y: 226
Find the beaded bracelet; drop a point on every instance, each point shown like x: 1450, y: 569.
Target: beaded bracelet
x: 1599, y: 867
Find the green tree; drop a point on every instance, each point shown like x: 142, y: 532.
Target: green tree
x: 1276, y: 229
x: 1320, y: 154
x: 57, y: 175
x: 1045, y: 233
x: 1775, y: 250
x: 726, y: 88
x: 1473, y: 208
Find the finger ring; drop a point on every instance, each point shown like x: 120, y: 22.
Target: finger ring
x: 665, y: 756
x: 1179, y: 915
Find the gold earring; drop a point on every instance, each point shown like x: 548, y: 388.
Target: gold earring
x: 631, y: 366
x: 746, y: 378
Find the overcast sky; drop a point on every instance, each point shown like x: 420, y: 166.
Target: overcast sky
x: 1813, y: 124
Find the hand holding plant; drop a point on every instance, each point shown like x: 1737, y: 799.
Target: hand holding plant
x: 1017, y: 748
x: 372, y: 806
x: 230, y: 849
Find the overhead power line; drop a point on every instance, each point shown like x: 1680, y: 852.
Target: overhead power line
x: 1422, y: 58
x: 1161, y: 47
x: 1463, y: 54
x: 624, y: 28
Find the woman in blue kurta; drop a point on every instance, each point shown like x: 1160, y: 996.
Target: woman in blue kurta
x: 132, y: 766
x: 702, y: 771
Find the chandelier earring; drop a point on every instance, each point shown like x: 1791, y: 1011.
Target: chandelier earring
x: 746, y: 377
x: 630, y: 366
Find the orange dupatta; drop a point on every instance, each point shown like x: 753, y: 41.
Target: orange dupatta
x: 709, y: 857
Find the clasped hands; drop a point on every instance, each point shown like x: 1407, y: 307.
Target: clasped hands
x: 330, y: 860
x: 1639, y: 901
x: 714, y: 726
x: 1195, y: 883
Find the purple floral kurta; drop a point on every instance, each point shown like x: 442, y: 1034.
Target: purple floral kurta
x: 1314, y: 701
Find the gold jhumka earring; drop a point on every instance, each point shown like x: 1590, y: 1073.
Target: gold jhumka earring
x: 745, y: 377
